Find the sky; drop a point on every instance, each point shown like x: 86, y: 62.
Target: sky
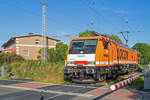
x: 69, y: 17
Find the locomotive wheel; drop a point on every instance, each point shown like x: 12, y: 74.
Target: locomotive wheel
x: 101, y: 77
x: 114, y: 76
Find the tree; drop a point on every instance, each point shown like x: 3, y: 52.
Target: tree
x: 61, y: 49
x: 143, y: 50
x: 58, y: 53
x: 88, y: 33
x: 51, y: 53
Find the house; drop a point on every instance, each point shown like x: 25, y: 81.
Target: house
x: 27, y: 46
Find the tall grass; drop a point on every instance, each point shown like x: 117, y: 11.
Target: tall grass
x: 139, y: 83
x: 37, y: 70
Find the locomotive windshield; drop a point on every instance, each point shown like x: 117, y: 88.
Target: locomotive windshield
x: 83, y: 46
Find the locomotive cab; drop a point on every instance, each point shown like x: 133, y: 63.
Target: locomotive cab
x: 80, y: 60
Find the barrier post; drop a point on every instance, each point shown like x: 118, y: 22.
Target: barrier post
x: 3, y: 71
x: 147, y: 79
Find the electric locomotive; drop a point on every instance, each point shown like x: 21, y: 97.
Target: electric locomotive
x: 97, y: 58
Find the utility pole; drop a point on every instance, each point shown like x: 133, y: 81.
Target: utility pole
x: 44, y: 37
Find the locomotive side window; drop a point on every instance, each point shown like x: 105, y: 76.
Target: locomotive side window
x: 105, y: 45
x: 122, y: 54
x: 126, y: 54
x: 132, y: 57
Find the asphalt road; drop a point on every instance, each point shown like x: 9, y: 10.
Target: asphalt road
x: 26, y: 90
x: 18, y: 94
x: 57, y: 92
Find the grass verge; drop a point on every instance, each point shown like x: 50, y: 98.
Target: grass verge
x: 37, y: 70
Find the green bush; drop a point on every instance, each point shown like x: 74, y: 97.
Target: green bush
x: 57, y: 54
x: 139, y: 83
x: 142, y: 66
x: 143, y: 50
x: 9, y: 58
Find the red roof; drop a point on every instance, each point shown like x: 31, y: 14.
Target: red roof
x: 7, y: 50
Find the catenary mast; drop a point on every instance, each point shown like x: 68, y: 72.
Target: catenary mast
x: 44, y: 38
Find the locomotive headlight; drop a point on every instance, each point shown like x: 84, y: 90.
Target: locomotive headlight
x: 91, y: 62
x: 90, y: 71
x: 68, y: 70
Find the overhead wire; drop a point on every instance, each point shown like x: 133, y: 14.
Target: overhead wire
x: 123, y: 19
x: 102, y: 2
x: 37, y: 14
x: 99, y: 14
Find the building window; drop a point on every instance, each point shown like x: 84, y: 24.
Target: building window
x: 26, y: 53
x: 37, y: 42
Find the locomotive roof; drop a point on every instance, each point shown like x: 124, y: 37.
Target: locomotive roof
x: 114, y: 41
x: 122, y: 45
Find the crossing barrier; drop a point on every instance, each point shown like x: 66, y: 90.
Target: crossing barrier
x: 129, y: 80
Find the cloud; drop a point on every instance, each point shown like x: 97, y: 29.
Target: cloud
x: 105, y: 8
x: 121, y: 11
x: 62, y: 33
x: 58, y: 34
x: 117, y: 11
